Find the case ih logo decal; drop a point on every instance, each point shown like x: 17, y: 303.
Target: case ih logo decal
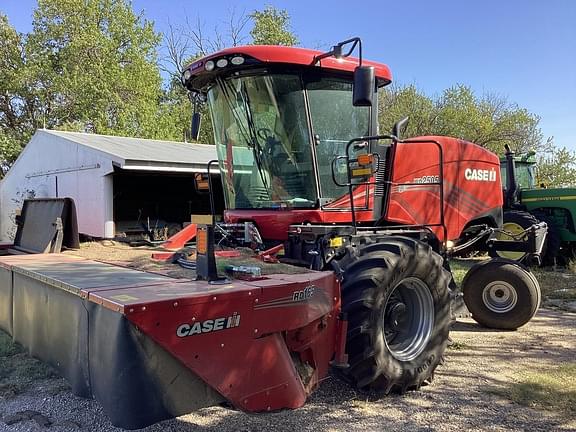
x: 480, y: 174
x: 208, y: 326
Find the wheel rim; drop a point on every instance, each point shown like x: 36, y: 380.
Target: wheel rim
x: 408, y: 319
x: 499, y: 297
x: 515, y: 229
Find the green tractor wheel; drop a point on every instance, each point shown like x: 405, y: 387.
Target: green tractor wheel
x: 515, y: 222
x: 551, y: 254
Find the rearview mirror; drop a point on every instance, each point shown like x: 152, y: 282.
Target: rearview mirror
x: 364, y: 84
x: 195, y: 126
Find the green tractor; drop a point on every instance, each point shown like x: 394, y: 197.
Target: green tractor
x: 526, y: 203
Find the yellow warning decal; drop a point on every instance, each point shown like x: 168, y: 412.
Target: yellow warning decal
x: 336, y: 242
x: 361, y: 172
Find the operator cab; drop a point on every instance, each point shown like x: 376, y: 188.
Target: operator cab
x: 281, y: 116
x: 525, y: 174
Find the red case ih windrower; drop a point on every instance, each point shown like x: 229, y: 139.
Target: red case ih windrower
x: 371, y: 220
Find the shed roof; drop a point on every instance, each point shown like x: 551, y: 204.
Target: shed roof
x: 144, y: 154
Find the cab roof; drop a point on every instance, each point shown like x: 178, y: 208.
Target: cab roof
x: 273, y: 54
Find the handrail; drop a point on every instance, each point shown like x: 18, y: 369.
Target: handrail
x: 350, y: 185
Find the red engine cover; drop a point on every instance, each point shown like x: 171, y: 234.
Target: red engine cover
x: 472, y: 185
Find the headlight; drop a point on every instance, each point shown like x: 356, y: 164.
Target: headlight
x: 187, y: 74
x: 209, y: 66
x: 222, y: 63
x: 238, y: 60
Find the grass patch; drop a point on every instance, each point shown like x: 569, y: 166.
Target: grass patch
x: 556, y: 284
x: 460, y: 268
x: 7, y: 347
x: 553, y: 389
x: 571, y: 267
x: 18, y: 370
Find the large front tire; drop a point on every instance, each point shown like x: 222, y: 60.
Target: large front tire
x: 395, y: 295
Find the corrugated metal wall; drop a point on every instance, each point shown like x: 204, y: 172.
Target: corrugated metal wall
x: 51, y: 166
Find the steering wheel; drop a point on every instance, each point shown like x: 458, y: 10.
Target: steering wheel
x: 265, y: 134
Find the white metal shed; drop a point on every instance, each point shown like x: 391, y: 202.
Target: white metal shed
x: 110, y: 179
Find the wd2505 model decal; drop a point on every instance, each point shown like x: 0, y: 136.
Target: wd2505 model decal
x: 480, y: 174
x: 210, y: 325
x: 426, y: 179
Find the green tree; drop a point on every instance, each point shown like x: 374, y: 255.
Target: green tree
x: 175, y: 115
x: 556, y: 166
x: 489, y: 121
x: 94, y: 65
x: 272, y: 27
x: 269, y: 26
x: 16, y: 107
x: 87, y: 65
x: 398, y: 102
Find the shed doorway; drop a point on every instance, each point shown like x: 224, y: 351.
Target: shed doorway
x: 155, y: 205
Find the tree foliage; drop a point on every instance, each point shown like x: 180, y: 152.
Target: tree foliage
x: 15, y: 125
x: 87, y: 65
x: 489, y: 121
x: 272, y: 27
x: 94, y: 65
x: 556, y: 167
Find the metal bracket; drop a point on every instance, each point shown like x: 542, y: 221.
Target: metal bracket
x: 56, y: 245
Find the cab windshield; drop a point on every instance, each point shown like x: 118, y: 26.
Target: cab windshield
x: 263, y: 137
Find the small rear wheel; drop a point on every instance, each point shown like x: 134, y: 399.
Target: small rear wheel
x: 395, y: 295
x: 501, y: 294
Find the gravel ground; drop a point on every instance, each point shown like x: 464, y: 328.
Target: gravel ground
x: 463, y: 397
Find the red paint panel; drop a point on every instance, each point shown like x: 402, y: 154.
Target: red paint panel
x: 178, y: 240
x: 465, y: 198
x: 250, y: 364
x: 297, y: 310
x: 178, y: 293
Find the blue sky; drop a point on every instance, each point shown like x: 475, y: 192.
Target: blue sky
x: 524, y: 50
